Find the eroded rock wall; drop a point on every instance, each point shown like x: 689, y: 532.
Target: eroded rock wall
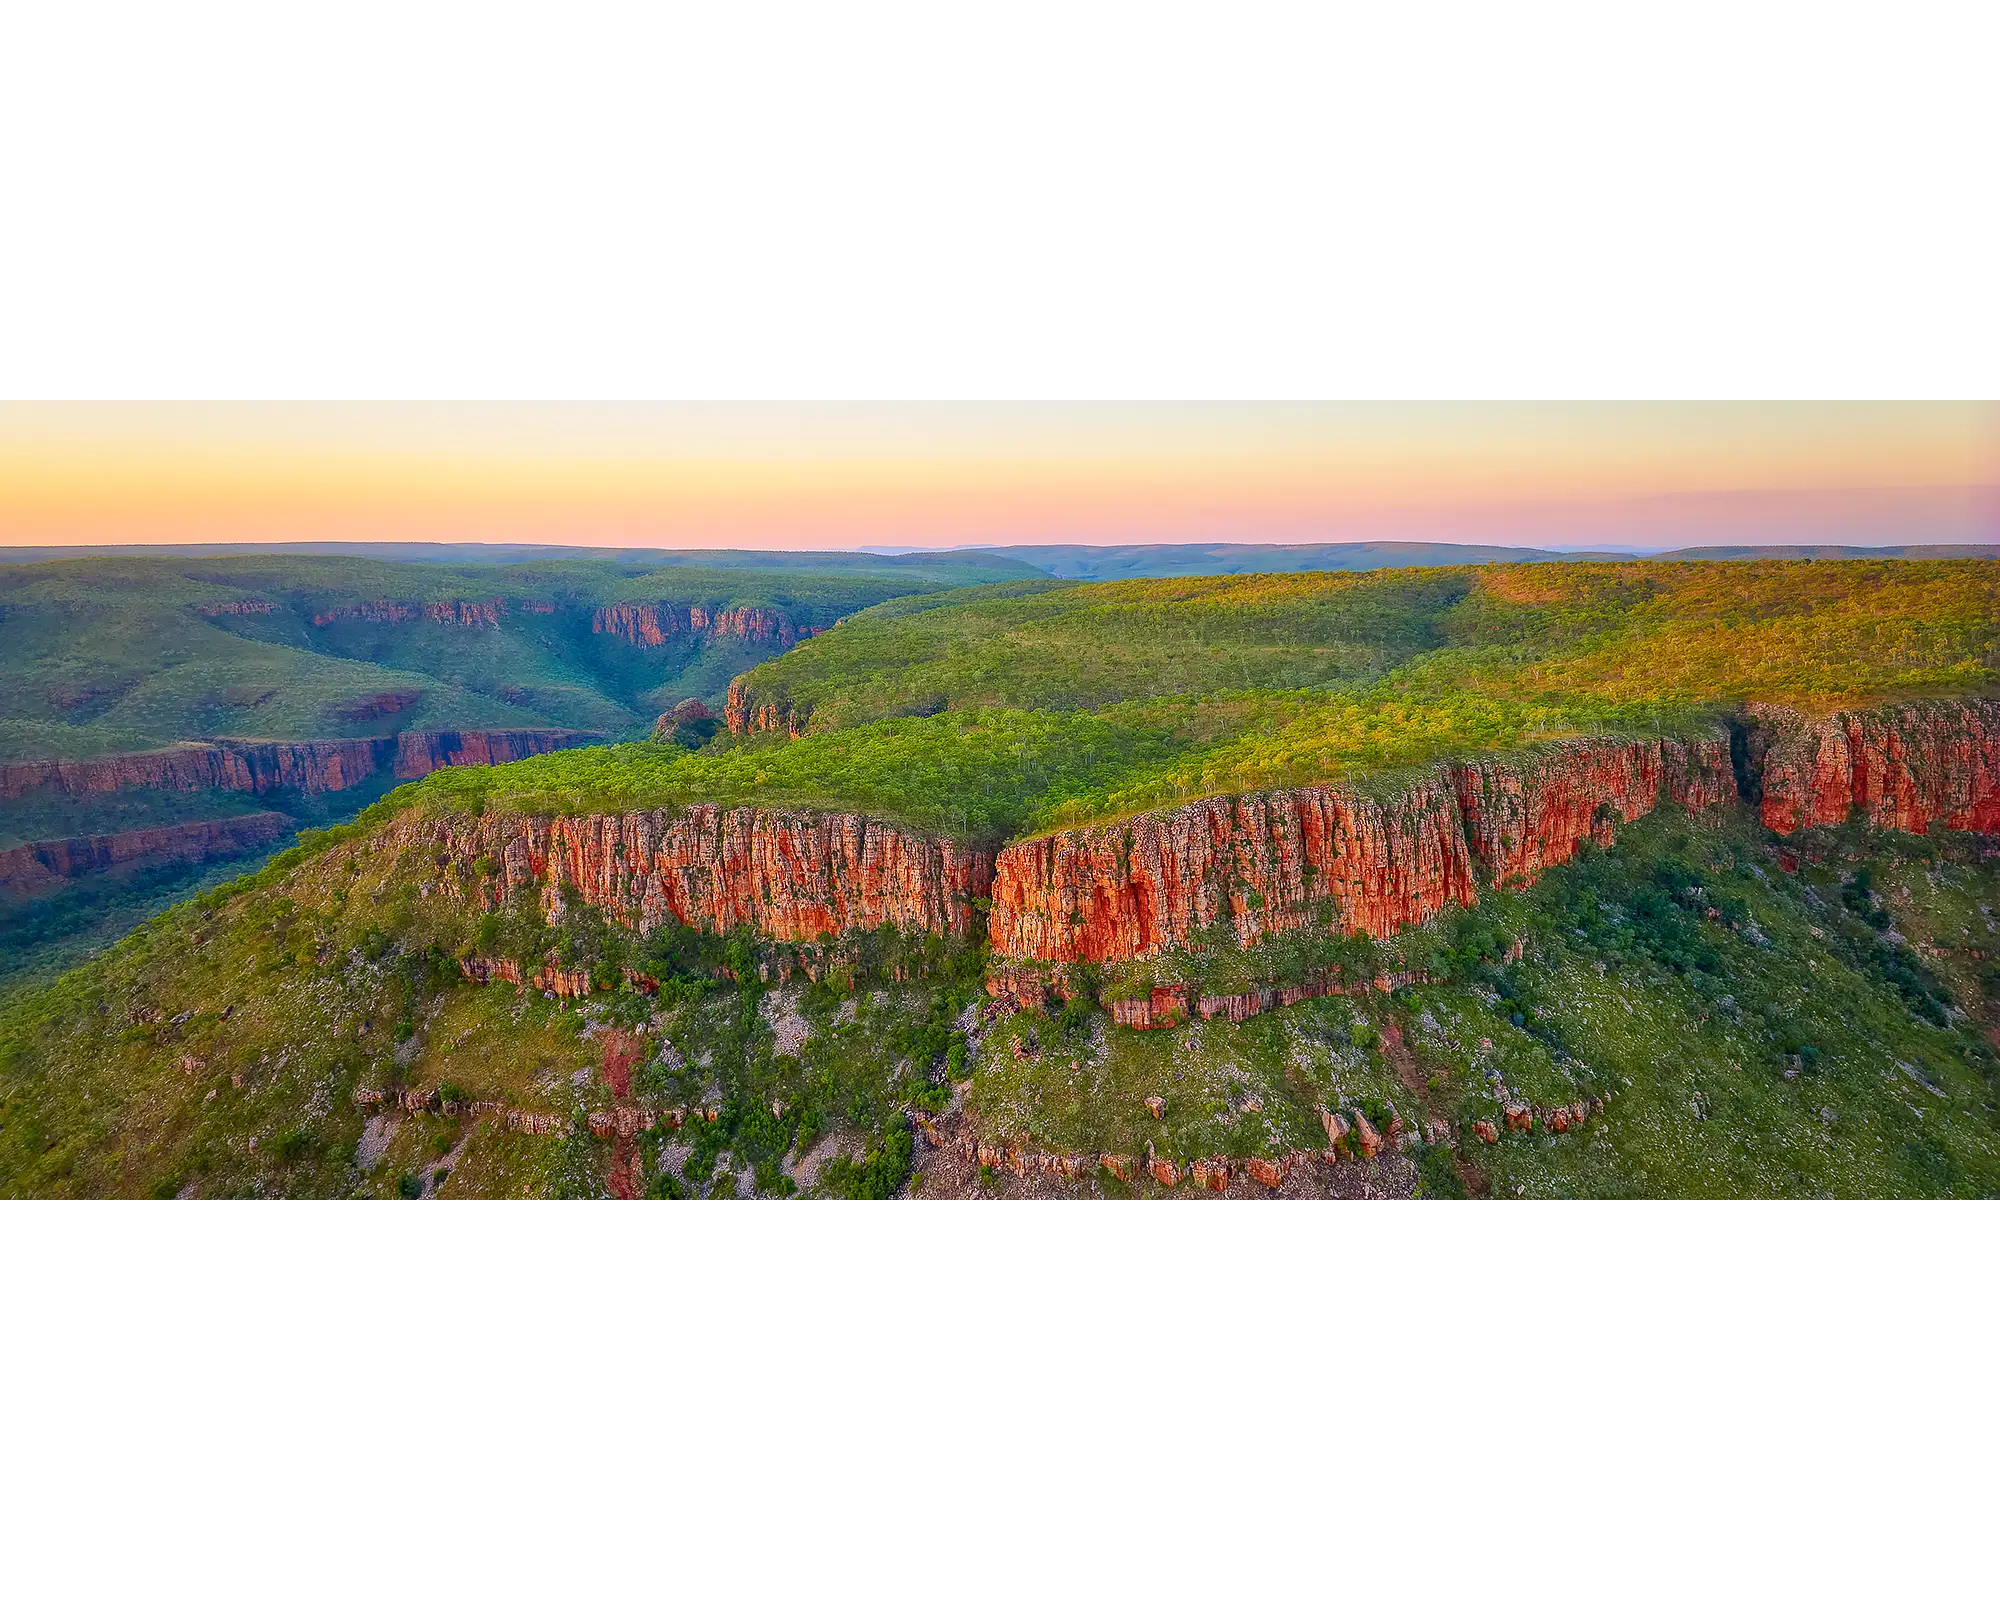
x: 650, y: 626
x: 312, y: 766
x: 787, y: 875
x: 32, y: 868
x: 1246, y: 867
x: 1910, y: 768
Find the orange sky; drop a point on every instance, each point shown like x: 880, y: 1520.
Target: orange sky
x: 801, y: 477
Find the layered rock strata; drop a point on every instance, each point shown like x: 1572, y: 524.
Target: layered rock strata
x: 650, y: 626
x: 452, y: 613
x: 1910, y: 768
x: 792, y: 876
x: 1522, y: 818
x: 1262, y: 862
x: 1247, y: 867
x: 32, y: 868
x: 744, y: 715
x: 313, y: 766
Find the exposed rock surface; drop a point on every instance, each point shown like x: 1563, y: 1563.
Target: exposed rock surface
x: 1250, y: 866
x: 456, y: 613
x: 745, y: 715
x: 1522, y: 818
x: 257, y: 766
x: 1909, y: 768
x: 789, y: 875
x: 1159, y: 882
x: 29, y: 868
x: 650, y: 626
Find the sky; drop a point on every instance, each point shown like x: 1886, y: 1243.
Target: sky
x: 1638, y: 476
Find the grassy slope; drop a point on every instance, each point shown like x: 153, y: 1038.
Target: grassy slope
x: 254, y: 1016
x: 109, y: 654
x: 1049, y: 705
x: 1689, y: 1024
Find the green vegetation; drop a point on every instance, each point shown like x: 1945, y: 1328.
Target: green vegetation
x: 132, y: 652
x: 1794, y: 1044
x: 1816, y: 1019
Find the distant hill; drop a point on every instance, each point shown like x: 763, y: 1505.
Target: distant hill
x: 1100, y: 562
x: 1832, y: 552
x: 934, y: 567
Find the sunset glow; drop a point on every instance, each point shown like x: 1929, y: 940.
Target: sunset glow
x: 804, y: 477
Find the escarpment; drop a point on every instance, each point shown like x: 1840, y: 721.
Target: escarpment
x: 650, y: 626
x: 452, y: 613
x: 29, y: 868
x: 1909, y: 768
x: 1522, y: 818
x: 743, y: 714
x: 255, y: 766
x: 1251, y: 866
x: 1157, y: 882
x: 792, y: 876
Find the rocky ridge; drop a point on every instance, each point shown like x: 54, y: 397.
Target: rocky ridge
x: 1245, y: 867
x: 792, y: 876
x: 650, y: 626
x: 256, y: 766
x: 1907, y: 768
x: 30, y: 868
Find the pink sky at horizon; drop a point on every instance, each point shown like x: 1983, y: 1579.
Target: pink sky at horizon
x: 800, y: 477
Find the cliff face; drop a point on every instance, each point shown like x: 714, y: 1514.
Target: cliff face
x: 789, y: 875
x: 1910, y: 768
x: 1254, y: 865
x: 30, y: 868
x: 1160, y: 882
x: 456, y: 613
x: 743, y: 715
x: 650, y: 626
x: 1521, y: 820
x: 317, y: 766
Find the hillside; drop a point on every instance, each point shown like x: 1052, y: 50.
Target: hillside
x: 1557, y: 880
x: 147, y: 703
x: 1109, y: 562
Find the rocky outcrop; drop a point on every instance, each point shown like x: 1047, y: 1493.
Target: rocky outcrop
x: 253, y: 766
x: 1247, y: 867
x: 1240, y: 868
x: 1523, y: 817
x: 32, y: 868
x: 238, y: 608
x: 745, y: 714
x: 651, y: 626
x: 787, y: 875
x: 1909, y: 768
x: 452, y: 613
x: 373, y: 707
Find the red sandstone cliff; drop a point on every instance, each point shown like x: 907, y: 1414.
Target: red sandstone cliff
x: 790, y: 875
x: 650, y: 626
x: 1158, y: 882
x: 30, y: 868
x: 1909, y: 767
x: 743, y: 715
x: 316, y: 766
x: 1255, y: 865
x: 457, y: 613
x: 1523, y: 817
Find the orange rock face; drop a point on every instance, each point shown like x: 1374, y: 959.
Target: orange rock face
x: 789, y: 875
x: 650, y: 626
x: 1255, y: 865
x: 1910, y: 768
x: 1260, y: 862
x: 1521, y: 819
